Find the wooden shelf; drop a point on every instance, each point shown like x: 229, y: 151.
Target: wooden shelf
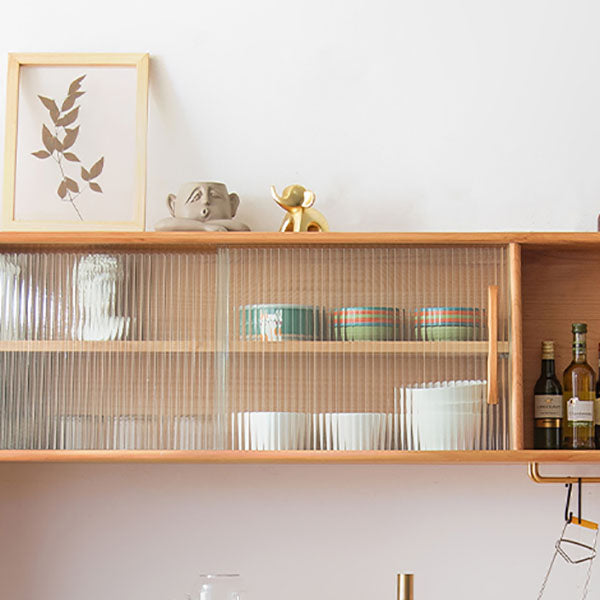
x: 292, y: 347
x: 62, y: 346
x: 427, y: 348
x: 186, y: 240
x: 305, y: 456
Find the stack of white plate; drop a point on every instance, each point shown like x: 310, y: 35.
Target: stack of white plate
x: 446, y: 415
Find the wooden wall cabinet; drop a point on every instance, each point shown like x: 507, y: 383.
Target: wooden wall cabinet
x: 189, y: 364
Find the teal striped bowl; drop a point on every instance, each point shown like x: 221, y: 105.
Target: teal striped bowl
x: 279, y: 322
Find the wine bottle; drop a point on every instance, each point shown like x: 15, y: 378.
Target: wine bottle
x: 548, y: 403
x: 579, y: 393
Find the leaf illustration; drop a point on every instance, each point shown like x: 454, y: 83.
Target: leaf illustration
x: 70, y: 156
x: 51, y: 106
x: 70, y: 100
x: 48, y: 103
x: 71, y: 184
x: 68, y: 118
x: 54, y: 115
x: 75, y: 85
x: 97, y: 168
x: 94, y: 186
x: 62, y: 189
x: 41, y: 154
x: 48, y: 139
x: 70, y: 137
x: 85, y: 174
x: 56, y: 142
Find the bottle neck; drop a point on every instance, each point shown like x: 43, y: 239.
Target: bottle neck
x: 548, y: 367
x: 579, y: 348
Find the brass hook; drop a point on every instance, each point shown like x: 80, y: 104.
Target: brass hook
x: 534, y: 474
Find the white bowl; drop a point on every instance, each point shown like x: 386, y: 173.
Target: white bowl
x: 353, y: 431
x: 441, y: 416
x: 271, y: 430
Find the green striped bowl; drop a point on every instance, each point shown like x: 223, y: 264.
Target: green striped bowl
x: 366, y: 323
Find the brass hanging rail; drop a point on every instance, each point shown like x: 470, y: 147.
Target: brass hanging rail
x: 534, y: 474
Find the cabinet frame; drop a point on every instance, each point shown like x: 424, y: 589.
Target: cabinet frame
x: 185, y: 241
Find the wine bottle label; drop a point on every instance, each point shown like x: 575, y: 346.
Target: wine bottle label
x: 579, y: 344
x: 548, y: 406
x: 580, y: 410
x: 597, y: 411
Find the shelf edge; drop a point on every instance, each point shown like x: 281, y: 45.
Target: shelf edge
x: 451, y: 457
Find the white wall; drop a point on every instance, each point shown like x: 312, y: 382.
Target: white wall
x: 297, y: 532
x: 430, y: 115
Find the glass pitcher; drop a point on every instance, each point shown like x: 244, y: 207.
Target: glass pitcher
x: 218, y: 587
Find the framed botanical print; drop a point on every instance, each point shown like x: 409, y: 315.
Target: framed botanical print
x: 75, y: 150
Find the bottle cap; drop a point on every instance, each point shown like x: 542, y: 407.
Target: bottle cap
x: 548, y: 349
x: 579, y: 327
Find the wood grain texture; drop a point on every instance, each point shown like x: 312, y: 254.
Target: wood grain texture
x: 62, y: 346
x: 256, y: 348
x: 516, y: 342
x: 174, y: 240
x: 454, y: 457
x: 10, y: 139
x: 560, y: 287
x: 78, y: 58
x: 141, y: 134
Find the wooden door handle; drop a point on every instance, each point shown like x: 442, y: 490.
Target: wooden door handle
x: 492, y: 323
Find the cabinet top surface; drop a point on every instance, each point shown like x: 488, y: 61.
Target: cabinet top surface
x: 180, y: 240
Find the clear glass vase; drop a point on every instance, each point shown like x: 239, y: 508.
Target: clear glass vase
x: 218, y: 587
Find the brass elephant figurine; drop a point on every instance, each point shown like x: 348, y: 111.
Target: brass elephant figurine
x: 298, y: 201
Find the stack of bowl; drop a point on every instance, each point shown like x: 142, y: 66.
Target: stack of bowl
x: 271, y: 430
x: 352, y: 431
x: 444, y: 323
x: 359, y: 323
x: 448, y: 415
x: 279, y: 322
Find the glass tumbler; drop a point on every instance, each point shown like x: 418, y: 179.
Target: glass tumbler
x: 218, y: 587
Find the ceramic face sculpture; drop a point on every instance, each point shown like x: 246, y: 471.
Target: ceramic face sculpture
x: 202, y: 206
x: 298, y: 201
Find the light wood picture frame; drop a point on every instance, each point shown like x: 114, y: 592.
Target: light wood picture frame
x: 75, y: 142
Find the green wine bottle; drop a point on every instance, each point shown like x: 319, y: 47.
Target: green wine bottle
x: 548, y: 403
